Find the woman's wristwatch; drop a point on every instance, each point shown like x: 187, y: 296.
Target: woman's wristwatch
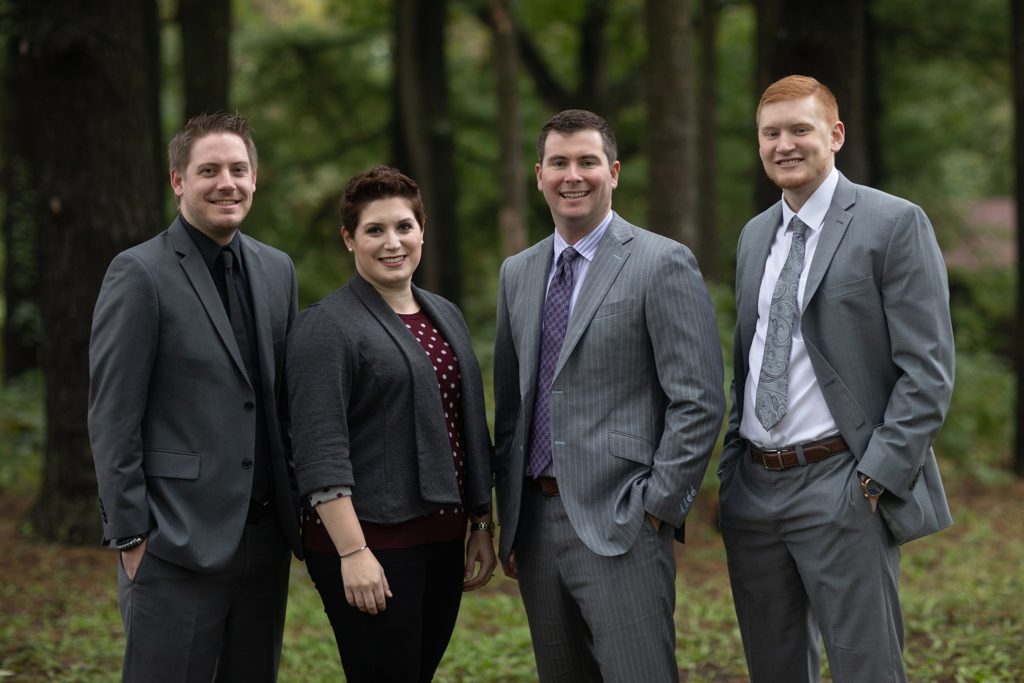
x: 482, y: 526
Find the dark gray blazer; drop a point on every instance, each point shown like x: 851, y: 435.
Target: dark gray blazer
x: 366, y: 411
x: 171, y: 417
x: 637, y: 398
x: 877, y: 328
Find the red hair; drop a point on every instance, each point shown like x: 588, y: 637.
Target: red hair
x: 798, y: 87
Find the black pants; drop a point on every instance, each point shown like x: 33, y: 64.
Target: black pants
x: 405, y: 642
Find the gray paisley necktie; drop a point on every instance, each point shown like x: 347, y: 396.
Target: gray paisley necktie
x: 773, y: 382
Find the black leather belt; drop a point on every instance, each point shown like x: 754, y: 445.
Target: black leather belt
x: 784, y: 458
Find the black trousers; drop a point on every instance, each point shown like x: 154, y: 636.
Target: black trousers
x: 405, y: 642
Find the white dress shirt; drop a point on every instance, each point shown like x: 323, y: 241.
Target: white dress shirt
x: 587, y: 249
x: 807, y: 417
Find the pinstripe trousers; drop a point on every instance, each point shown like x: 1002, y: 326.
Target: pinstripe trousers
x: 591, y: 617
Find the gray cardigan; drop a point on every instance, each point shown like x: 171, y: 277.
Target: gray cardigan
x: 366, y: 410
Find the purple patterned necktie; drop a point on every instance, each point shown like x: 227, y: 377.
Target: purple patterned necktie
x: 556, y: 319
x: 772, y: 397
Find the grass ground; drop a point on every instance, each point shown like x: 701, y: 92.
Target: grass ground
x: 962, y: 592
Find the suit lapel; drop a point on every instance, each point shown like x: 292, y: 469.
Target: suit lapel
x: 760, y: 237
x: 532, y: 289
x: 611, y: 255
x: 837, y: 219
x: 199, y: 276
x: 260, y: 309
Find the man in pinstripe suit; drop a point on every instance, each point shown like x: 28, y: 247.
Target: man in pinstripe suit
x: 609, y: 400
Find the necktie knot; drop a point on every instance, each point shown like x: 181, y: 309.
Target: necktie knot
x: 567, y: 256
x: 798, y: 227
x: 227, y: 258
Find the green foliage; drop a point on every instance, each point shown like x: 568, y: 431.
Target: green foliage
x: 976, y: 439
x: 21, y: 433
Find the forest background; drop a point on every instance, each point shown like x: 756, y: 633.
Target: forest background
x: 454, y: 92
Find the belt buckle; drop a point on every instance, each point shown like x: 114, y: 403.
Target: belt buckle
x: 777, y: 453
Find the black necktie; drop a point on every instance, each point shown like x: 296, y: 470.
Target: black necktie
x: 235, y: 312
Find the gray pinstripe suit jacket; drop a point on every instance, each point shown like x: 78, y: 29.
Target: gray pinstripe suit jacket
x: 637, y: 397
x: 877, y: 328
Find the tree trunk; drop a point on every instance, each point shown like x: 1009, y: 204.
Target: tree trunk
x: 205, y: 54
x: 512, y: 172
x: 21, y: 310
x: 707, y: 166
x: 670, y: 121
x: 838, y: 58
x: 93, y: 129
x: 421, y: 108
x: 1018, y: 148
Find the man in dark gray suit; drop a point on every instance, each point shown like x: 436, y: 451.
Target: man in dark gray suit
x: 609, y: 400
x: 843, y: 374
x: 186, y: 363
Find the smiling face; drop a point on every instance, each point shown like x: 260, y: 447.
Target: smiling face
x: 215, y: 190
x: 577, y: 181
x: 387, y: 243
x: 797, y: 145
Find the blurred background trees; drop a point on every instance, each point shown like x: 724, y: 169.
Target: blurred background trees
x: 453, y: 92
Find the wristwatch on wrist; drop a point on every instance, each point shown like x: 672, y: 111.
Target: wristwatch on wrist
x: 872, y: 489
x: 482, y: 526
x: 129, y: 542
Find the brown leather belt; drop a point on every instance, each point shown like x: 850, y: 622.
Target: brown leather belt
x: 784, y: 458
x: 548, y: 486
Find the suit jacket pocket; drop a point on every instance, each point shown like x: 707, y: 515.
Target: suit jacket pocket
x: 171, y: 464
x: 614, y: 307
x: 629, y: 447
x: 851, y: 287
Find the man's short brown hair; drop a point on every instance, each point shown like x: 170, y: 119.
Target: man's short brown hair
x: 180, y: 148
x: 574, y: 120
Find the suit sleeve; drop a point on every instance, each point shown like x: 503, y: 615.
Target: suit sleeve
x: 915, y: 297
x: 735, y: 445
x: 122, y: 352
x: 506, y: 379
x: 688, y: 359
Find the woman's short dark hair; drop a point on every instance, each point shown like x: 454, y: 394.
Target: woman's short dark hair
x: 379, y: 182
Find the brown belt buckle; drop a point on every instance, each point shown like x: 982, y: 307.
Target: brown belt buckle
x: 777, y: 453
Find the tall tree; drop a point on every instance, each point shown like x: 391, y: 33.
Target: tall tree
x: 707, y: 148
x: 21, y: 310
x: 205, y: 54
x: 512, y: 172
x: 93, y: 127
x: 425, y: 136
x: 671, y: 123
x: 838, y: 58
x: 1018, y: 146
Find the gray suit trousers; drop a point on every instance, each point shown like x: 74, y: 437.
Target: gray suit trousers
x: 185, y: 627
x: 592, y: 617
x: 807, y: 556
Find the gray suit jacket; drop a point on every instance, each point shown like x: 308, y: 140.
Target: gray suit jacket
x: 171, y: 412
x: 366, y: 411
x: 877, y: 327
x: 637, y: 397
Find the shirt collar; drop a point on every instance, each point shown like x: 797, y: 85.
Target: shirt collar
x: 812, y: 213
x: 209, y: 249
x: 587, y: 246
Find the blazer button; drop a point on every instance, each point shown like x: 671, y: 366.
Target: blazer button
x: 249, y: 406
x: 247, y: 464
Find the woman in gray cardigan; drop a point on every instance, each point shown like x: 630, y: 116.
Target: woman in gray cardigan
x: 391, y: 445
